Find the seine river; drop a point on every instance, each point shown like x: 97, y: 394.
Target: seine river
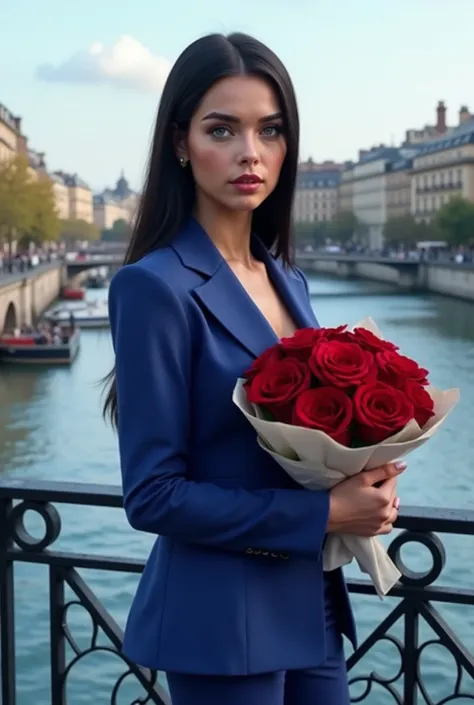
x: 51, y: 429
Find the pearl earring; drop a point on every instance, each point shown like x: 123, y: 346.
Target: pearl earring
x: 183, y: 161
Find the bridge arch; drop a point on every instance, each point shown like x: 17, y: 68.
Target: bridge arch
x: 11, y: 319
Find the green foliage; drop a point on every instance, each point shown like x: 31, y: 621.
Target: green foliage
x: 45, y: 224
x: 404, y: 230
x: 119, y: 232
x: 78, y: 230
x: 16, y: 213
x: 27, y: 204
x: 345, y: 227
x: 455, y: 221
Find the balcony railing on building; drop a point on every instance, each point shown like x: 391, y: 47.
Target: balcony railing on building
x: 418, y: 600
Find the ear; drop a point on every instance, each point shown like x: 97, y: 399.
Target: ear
x: 180, y: 143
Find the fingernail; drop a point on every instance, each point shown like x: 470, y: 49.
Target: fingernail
x: 400, y: 465
x: 396, y: 503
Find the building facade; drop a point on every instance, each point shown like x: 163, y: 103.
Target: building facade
x: 79, y: 196
x: 120, y: 203
x: 398, y: 185
x: 61, y: 196
x: 442, y: 169
x: 12, y: 141
x: 316, y: 191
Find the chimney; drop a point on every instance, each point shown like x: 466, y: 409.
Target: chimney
x: 441, y: 118
x: 464, y: 114
x: 17, y: 121
x: 363, y: 153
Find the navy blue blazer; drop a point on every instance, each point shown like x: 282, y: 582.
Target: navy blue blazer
x: 234, y: 583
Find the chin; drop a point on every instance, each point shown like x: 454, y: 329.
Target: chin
x: 246, y: 204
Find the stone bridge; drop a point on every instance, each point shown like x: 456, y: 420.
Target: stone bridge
x: 407, y: 274
x: 24, y: 296
x: 442, y: 277
x: 76, y: 269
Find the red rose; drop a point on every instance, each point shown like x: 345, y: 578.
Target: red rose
x: 342, y: 364
x: 301, y: 343
x: 327, y: 409
x: 276, y: 386
x: 303, y: 340
x: 380, y: 411
x: 263, y: 361
x: 340, y: 334
x: 395, y: 369
x: 371, y: 342
x: 421, y: 400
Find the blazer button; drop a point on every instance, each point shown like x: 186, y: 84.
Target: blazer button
x: 257, y: 553
x: 285, y: 556
x: 249, y: 551
x: 265, y: 553
x: 274, y: 555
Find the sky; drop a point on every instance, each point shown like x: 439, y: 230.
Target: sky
x: 86, y: 77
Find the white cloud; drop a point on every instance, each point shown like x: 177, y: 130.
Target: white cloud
x: 126, y: 64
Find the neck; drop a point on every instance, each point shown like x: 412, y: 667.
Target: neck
x: 229, y: 230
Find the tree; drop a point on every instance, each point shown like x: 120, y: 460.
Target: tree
x: 455, y: 221
x: 27, y: 205
x: 345, y: 227
x: 313, y: 234
x: 404, y: 230
x: 78, y: 230
x: 45, y: 225
x: 120, y: 231
x: 16, y: 211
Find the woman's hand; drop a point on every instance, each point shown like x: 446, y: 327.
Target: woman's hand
x: 365, y: 504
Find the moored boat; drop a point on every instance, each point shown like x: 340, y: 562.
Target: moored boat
x: 31, y: 349
x: 93, y: 314
x: 72, y: 293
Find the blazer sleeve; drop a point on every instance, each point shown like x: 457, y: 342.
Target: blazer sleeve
x: 153, y: 355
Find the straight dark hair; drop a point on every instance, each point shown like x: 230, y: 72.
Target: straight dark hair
x: 169, y: 191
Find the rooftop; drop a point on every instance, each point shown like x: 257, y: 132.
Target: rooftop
x: 318, y: 179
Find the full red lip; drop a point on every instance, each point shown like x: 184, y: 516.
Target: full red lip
x: 247, y: 179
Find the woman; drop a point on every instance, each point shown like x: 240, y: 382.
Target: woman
x: 233, y: 604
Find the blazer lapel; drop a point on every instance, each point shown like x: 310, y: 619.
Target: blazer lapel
x: 290, y: 287
x: 226, y: 299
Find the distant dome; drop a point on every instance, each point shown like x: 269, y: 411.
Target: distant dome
x: 122, y: 188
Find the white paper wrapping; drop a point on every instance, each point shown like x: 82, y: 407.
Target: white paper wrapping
x: 318, y: 462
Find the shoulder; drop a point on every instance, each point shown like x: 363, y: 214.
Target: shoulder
x: 149, y: 287
x: 292, y: 272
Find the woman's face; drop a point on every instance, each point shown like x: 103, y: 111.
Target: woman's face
x: 236, y: 144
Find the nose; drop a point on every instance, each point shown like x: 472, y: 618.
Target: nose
x: 249, y: 150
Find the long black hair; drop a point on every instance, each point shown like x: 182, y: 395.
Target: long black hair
x: 168, y: 196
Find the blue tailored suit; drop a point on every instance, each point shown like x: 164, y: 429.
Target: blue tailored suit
x: 234, y: 584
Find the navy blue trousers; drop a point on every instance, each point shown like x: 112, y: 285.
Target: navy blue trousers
x: 325, y: 685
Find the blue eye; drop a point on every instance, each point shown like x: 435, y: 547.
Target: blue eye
x: 272, y: 130
x: 220, y: 131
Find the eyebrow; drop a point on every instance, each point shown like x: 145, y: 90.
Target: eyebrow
x: 233, y: 118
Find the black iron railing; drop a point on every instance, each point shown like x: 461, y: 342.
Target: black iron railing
x: 417, y: 604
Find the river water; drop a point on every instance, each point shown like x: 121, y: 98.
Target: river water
x: 51, y: 429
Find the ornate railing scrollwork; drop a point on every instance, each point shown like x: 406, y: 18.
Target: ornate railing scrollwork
x: 404, y: 685
x: 434, y: 545
x: 416, y: 587
x: 22, y: 537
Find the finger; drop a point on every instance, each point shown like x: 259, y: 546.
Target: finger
x: 387, y: 526
x: 390, y: 490
x: 383, y: 473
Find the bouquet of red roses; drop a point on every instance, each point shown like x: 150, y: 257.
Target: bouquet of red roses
x: 328, y: 403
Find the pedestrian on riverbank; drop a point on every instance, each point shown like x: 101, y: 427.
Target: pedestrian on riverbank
x: 233, y: 604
